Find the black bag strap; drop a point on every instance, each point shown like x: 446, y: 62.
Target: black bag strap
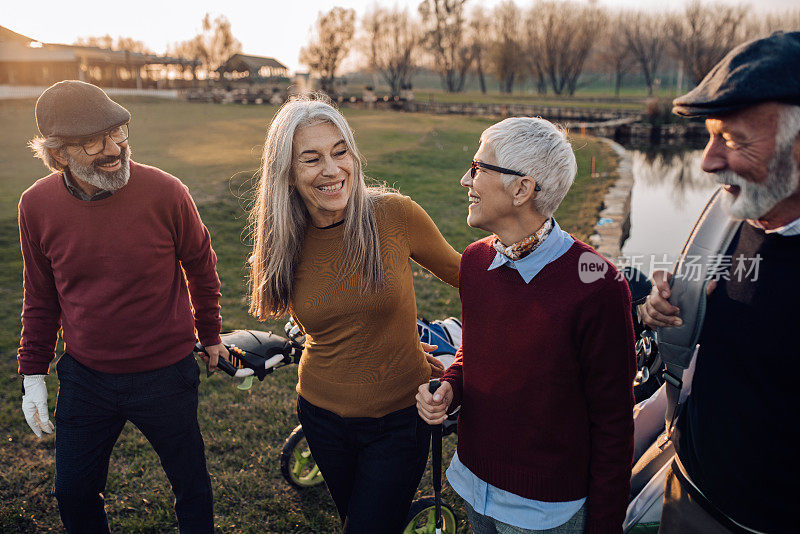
x: 698, y: 261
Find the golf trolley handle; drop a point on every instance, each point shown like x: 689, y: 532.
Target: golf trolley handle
x: 222, y: 363
x: 436, y: 460
x: 231, y: 370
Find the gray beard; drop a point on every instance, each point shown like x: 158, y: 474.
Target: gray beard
x: 108, y: 181
x: 756, y: 199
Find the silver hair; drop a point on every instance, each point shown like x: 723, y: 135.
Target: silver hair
x: 539, y: 149
x: 279, y: 217
x: 41, y: 147
x: 788, y: 124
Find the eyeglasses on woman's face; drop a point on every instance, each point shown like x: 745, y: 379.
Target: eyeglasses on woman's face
x: 473, y: 170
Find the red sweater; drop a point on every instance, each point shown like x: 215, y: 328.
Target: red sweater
x: 110, y: 272
x: 544, y: 377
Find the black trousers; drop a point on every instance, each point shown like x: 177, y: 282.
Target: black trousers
x: 92, y: 409
x: 372, y: 466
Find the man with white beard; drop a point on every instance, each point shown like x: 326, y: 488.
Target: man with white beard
x: 737, y: 467
x: 109, y: 247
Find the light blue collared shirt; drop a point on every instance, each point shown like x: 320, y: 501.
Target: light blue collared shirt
x: 555, y: 244
x: 492, y: 501
x: 793, y: 228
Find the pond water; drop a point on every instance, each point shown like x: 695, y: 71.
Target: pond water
x: 669, y: 193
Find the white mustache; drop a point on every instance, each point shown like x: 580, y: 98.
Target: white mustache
x: 729, y: 178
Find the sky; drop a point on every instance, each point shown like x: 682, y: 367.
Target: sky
x: 267, y: 28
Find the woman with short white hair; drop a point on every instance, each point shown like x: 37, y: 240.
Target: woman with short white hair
x: 545, y: 433
x: 334, y: 253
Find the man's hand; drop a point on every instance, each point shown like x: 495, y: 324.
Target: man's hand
x: 433, y: 408
x: 657, y: 311
x: 437, y: 367
x: 212, y: 354
x: 34, y: 405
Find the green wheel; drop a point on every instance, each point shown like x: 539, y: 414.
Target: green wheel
x: 421, y: 518
x: 297, y: 465
x: 645, y: 528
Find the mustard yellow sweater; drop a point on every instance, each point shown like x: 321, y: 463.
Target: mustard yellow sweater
x: 363, y: 356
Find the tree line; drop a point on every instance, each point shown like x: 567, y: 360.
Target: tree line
x: 551, y: 43
x: 211, y: 47
x: 547, y: 44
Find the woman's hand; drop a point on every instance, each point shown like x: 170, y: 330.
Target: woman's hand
x: 437, y: 367
x: 432, y: 408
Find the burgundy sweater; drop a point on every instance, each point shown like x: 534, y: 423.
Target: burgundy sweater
x: 111, y: 273
x: 544, y: 377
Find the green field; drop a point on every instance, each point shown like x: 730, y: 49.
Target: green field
x: 215, y: 150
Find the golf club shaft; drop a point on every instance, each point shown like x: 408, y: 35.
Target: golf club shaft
x: 436, y: 460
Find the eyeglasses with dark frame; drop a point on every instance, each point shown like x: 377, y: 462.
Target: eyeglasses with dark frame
x: 96, y: 144
x: 479, y: 164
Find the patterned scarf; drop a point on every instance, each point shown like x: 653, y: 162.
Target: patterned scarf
x: 522, y: 248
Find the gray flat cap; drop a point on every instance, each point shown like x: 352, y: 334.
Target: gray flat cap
x: 757, y: 71
x: 77, y: 109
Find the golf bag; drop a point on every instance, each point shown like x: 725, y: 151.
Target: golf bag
x: 655, y: 416
x: 445, y: 334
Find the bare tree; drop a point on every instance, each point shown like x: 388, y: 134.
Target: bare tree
x: 646, y: 39
x: 788, y: 20
x: 704, y: 33
x: 191, y: 49
x: 392, y: 40
x: 333, y: 34
x: 505, y: 48
x: 212, y: 46
x: 220, y: 43
x: 534, y: 55
x: 613, y: 52
x: 477, y: 42
x: 444, y: 35
x: 128, y: 44
x: 104, y: 41
x: 560, y: 37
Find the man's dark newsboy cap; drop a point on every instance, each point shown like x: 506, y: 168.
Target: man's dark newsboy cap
x: 757, y: 71
x: 77, y: 109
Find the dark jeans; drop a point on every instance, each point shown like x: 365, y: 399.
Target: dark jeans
x: 372, y: 466
x: 91, y: 411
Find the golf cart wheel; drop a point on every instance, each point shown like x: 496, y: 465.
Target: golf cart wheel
x: 297, y: 465
x: 421, y: 518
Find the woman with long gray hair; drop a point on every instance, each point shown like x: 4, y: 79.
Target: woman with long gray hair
x: 333, y: 252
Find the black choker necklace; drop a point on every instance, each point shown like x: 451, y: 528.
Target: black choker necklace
x: 334, y: 225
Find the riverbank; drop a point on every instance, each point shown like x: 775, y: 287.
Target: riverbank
x: 613, y: 224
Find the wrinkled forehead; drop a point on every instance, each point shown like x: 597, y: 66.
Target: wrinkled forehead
x: 760, y: 117
x: 318, y: 136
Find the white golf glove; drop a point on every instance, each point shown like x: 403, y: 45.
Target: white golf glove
x: 34, y: 405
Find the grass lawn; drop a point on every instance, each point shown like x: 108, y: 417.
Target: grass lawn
x: 216, y: 150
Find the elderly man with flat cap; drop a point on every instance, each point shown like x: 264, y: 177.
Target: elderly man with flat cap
x: 737, y: 468
x: 109, y: 247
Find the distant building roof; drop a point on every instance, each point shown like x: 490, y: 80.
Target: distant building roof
x: 242, y: 62
x: 15, y: 47
x: 8, y: 36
